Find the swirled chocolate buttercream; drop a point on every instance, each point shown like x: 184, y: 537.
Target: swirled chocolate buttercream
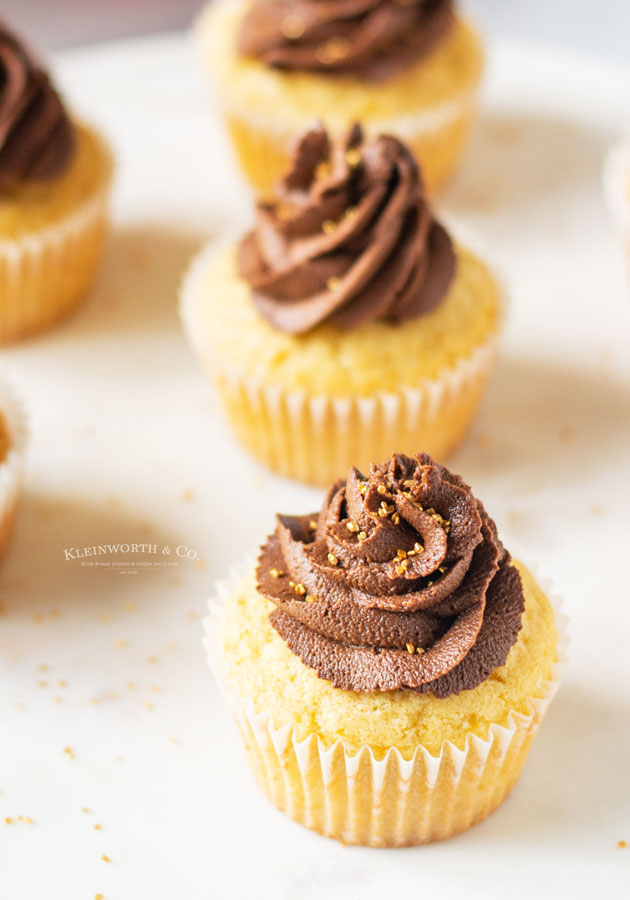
x: 37, y: 139
x: 370, y: 39
x: 399, y: 582
x: 350, y: 238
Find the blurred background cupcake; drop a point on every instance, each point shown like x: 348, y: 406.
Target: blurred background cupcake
x: 12, y: 451
x: 347, y: 322
x: 54, y: 180
x: 388, y: 663
x: 409, y: 68
x: 617, y: 188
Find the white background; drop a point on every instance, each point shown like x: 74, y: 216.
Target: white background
x: 128, y: 446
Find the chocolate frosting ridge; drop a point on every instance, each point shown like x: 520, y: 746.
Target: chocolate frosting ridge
x: 399, y: 582
x: 37, y: 139
x: 370, y: 39
x: 349, y: 239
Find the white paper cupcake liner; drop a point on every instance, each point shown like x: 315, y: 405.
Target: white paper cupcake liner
x: 391, y: 802
x: 45, y: 274
x: 12, y: 467
x: 316, y: 438
x: 617, y: 191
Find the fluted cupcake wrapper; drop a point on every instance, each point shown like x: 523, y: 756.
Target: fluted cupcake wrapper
x: 390, y: 802
x: 617, y: 191
x: 12, y: 466
x: 45, y: 274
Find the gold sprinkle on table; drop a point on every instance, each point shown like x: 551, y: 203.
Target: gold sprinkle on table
x: 105, y: 858
x: 69, y: 752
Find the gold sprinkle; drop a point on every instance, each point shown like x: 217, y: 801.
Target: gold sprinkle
x: 420, y: 650
x: 409, y: 483
x: 443, y: 569
x: 430, y: 583
x: 622, y: 845
x: 333, y: 283
x: 312, y: 525
x: 8, y: 820
x: 350, y: 212
x: 323, y: 169
x: 382, y: 513
x: 58, y: 700
x: 353, y: 156
x: 332, y: 559
x: 98, y: 827
x: 401, y: 554
x: 43, y: 668
x: 105, y: 857
x: 69, y: 752
x: 148, y: 705
x: 410, y: 648
x: 361, y: 535
x: 311, y: 598
x: 85, y: 809
x: 292, y: 27
x: 400, y: 570
x: 99, y: 897
x: 300, y: 589
x: 396, y: 519
x: 329, y: 227
x: 333, y: 50
x: 352, y: 526
x: 274, y: 573
x: 418, y: 548
x: 43, y: 684
x: 381, y: 489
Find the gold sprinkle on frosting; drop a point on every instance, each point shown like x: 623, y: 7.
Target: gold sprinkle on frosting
x: 333, y: 50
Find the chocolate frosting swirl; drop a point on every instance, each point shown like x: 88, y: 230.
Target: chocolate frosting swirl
x: 349, y: 239
x: 400, y: 582
x: 37, y: 139
x: 370, y: 39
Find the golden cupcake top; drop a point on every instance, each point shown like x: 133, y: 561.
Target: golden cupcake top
x: 37, y: 138
x: 399, y: 582
x: 370, y: 39
x: 349, y: 238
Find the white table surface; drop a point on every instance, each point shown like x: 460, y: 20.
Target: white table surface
x: 127, y: 446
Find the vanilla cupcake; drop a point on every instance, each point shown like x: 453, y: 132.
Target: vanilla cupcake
x: 387, y: 662
x: 410, y: 69
x: 54, y: 181
x: 347, y: 323
x: 12, y: 452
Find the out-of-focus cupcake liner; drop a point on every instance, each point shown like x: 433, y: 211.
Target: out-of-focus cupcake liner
x: 436, y: 136
x: 13, y: 418
x: 391, y: 802
x: 617, y: 190
x: 316, y: 438
x: 45, y: 274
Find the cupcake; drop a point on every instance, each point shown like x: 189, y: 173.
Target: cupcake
x: 347, y: 323
x: 406, y: 68
x: 387, y: 662
x: 617, y: 188
x: 54, y: 180
x: 12, y: 451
